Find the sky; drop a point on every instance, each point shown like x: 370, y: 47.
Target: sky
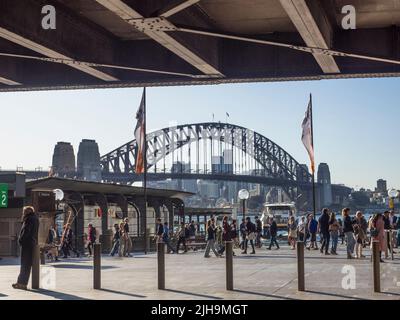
x: 356, y: 121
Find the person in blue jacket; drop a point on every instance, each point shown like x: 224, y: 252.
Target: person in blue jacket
x: 312, y: 229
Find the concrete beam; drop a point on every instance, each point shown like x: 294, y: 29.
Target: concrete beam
x: 9, y: 82
x: 313, y: 25
x: 177, y: 8
x: 70, y: 40
x: 159, y: 35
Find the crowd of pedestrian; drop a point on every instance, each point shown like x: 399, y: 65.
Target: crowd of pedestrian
x: 354, y: 231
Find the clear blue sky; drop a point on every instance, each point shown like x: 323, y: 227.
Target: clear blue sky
x: 356, y: 121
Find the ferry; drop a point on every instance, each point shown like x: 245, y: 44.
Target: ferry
x: 281, y: 213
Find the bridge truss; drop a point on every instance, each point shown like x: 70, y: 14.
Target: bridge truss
x: 211, y: 150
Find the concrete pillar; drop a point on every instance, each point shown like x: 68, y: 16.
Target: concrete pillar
x: 300, y: 266
x: 97, y: 266
x: 36, y: 268
x: 376, y: 260
x: 229, y: 265
x: 161, y: 265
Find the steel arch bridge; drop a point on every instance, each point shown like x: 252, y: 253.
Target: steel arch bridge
x: 210, y: 150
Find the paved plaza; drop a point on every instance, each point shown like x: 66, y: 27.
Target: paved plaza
x: 266, y: 275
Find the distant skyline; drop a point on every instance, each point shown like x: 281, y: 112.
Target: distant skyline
x: 356, y: 122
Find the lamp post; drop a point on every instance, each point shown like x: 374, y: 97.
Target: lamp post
x: 244, y: 195
x: 393, y: 194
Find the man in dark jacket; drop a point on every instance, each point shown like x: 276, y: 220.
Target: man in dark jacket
x: 242, y: 231
x: 159, y: 231
x: 250, y: 235
x: 258, y: 232
x: 28, y: 239
x: 273, y: 229
x: 323, y: 224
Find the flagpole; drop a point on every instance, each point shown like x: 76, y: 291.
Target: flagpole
x: 145, y: 172
x: 312, y: 143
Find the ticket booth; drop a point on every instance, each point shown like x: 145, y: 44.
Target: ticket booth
x: 12, y: 194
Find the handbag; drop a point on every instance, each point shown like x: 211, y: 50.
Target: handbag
x: 251, y: 236
x: 292, y: 233
x: 374, y: 232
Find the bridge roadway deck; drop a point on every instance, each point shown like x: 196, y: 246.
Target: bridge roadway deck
x: 267, y: 275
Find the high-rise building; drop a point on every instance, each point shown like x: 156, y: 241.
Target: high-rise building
x: 224, y: 163
x: 209, y: 189
x: 381, y: 186
x: 324, y: 178
x: 217, y: 163
x: 63, y: 159
x: 89, y: 160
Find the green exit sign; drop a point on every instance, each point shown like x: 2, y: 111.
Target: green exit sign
x: 3, y: 195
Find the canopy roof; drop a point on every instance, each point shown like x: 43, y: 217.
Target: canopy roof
x: 87, y: 187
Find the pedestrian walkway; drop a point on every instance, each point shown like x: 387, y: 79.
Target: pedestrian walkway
x: 266, y: 275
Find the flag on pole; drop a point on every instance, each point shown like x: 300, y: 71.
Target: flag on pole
x: 307, y: 136
x: 140, y: 136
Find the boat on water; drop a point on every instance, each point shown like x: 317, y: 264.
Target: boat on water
x: 281, y: 212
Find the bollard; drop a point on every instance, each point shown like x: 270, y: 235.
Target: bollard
x: 376, y: 259
x: 229, y: 265
x: 36, y: 267
x: 97, y: 266
x: 161, y: 265
x: 300, y: 266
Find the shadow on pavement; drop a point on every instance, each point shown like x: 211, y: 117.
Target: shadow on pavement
x: 335, y: 295
x: 385, y: 292
x: 263, y: 294
x: 193, y: 294
x: 58, y: 295
x: 123, y: 293
x: 77, y: 266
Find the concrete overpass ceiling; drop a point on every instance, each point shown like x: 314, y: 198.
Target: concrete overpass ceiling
x: 250, y: 17
x: 123, y: 43
x: 372, y: 13
x: 99, y: 15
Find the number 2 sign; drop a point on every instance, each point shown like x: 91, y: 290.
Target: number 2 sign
x: 3, y: 195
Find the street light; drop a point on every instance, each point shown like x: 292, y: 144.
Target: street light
x: 244, y: 195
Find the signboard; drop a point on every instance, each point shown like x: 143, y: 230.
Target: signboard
x: 3, y: 195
